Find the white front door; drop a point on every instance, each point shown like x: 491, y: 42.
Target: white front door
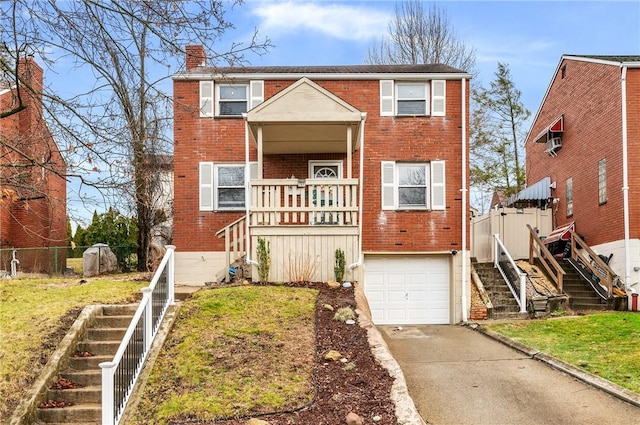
x: 324, y: 196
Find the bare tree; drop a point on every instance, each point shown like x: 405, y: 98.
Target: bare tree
x: 417, y: 35
x: 115, y: 123
x: 497, y: 134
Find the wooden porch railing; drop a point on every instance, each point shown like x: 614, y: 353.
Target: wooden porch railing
x: 548, y: 261
x: 234, y: 242
x: 592, y: 262
x: 299, y: 202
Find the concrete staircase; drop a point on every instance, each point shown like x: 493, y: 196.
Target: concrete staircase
x: 77, y: 394
x: 504, y: 304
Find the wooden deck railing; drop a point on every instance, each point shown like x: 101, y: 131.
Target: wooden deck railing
x: 234, y: 242
x: 299, y: 202
x: 592, y: 262
x: 548, y: 261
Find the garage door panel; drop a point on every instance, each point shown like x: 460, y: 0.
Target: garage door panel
x: 408, y: 290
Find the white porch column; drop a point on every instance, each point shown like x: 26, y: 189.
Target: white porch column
x: 349, y: 150
x: 260, y: 151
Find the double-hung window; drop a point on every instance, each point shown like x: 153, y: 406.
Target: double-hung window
x: 408, y: 185
x: 412, y: 98
x: 229, y: 99
x: 222, y: 186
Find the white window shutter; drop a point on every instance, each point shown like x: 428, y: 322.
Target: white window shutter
x: 438, y: 98
x: 206, y: 98
x: 206, y: 186
x: 386, y: 98
x: 388, y: 185
x: 256, y: 89
x: 437, y: 185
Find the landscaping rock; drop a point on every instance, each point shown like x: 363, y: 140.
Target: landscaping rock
x: 327, y: 307
x: 254, y: 421
x: 333, y: 355
x: 333, y: 284
x: 353, y: 419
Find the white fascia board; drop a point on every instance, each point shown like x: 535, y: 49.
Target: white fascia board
x: 329, y: 76
x: 594, y: 60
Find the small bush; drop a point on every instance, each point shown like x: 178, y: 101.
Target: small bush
x: 345, y: 313
x: 338, y: 270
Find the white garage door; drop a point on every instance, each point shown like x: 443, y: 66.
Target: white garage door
x: 407, y: 290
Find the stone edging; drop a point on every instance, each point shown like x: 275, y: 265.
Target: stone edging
x: 593, y: 380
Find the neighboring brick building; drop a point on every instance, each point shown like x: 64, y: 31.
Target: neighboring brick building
x: 33, y: 195
x: 369, y: 159
x: 588, y: 118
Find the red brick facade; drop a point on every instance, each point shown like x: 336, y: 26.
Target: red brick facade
x: 588, y: 93
x: 386, y: 138
x: 33, y: 203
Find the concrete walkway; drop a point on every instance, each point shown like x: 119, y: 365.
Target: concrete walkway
x: 458, y: 376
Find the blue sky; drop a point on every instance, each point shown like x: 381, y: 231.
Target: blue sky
x: 530, y: 36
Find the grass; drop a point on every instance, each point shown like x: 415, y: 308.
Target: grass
x: 75, y: 263
x: 30, y: 323
x: 230, y: 353
x: 603, y: 344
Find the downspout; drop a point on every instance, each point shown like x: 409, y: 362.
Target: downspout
x: 625, y: 181
x: 464, y: 200
x: 247, y: 192
x: 363, y: 118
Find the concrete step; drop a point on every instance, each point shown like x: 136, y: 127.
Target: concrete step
x: 78, y: 413
x: 112, y: 321
x: 99, y: 347
x: 109, y: 334
x: 89, y: 394
x: 119, y: 310
x: 93, y: 362
x: 83, y: 377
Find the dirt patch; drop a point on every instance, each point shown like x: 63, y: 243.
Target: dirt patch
x: 358, y: 384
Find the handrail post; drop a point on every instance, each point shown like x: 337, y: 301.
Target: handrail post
x: 171, y: 275
x: 523, y: 293
x: 107, y: 393
x: 495, y: 250
x: 147, y: 301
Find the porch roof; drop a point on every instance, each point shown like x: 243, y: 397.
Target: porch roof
x: 539, y: 191
x: 305, y: 118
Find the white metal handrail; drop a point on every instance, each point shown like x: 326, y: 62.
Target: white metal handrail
x: 501, y: 251
x: 119, y: 375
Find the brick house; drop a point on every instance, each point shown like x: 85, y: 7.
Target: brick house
x: 368, y: 159
x: 585, y: 138
x: 33, y: 196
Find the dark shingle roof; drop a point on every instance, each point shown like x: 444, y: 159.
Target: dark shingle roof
x: 611, y: 58
x: 335, y: 69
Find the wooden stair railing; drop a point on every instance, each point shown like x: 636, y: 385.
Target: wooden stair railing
x: 234, y: 242
x: 548, y: 261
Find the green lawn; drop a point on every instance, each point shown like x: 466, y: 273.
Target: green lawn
x: 233, y: 351
x: 606, y: 344
x: 32, y: 324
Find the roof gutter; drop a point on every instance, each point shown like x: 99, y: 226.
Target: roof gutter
x: 625, y: 178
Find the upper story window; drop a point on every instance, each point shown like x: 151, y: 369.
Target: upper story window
x: 412, y: 98
x: 229, y: 99
x: 408, y: 185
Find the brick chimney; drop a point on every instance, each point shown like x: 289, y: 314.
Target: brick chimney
x: 195, y: 56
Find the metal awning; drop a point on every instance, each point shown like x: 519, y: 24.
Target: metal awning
x: 555, y: 129
x: 539, y: 191
x: 561, y: 233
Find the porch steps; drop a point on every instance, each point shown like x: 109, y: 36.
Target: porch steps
x: 83, y: 404
x: 505, y: 305
x: 581, y: 296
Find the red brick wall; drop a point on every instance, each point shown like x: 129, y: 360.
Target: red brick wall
x: 35, y: 214
x: 633, y: 150
x: 589, y: 96
x: 386, y: 138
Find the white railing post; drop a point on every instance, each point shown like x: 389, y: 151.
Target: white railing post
x: 496, y: 251
x: 147, y: 302
x: 107, y: 393
x: 171, y: 274
x: 523, y: 293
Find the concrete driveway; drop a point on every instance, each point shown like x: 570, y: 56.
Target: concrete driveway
x: 459, y: 376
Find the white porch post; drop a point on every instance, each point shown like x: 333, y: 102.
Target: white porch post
x: 349, y: 150
x: 260, y: 152
x: 107, y: 392
x: 171, y: 277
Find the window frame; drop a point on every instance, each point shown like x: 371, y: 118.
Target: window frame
x: 425, y: 98
x: 209, y: 186
x: 219, y: 101
x: 435, y: 183
x: 434, y: 97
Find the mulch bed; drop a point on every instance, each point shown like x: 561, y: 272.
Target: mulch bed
x: 360, y: 385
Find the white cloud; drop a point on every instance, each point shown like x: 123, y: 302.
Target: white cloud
x: 342, y: 21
